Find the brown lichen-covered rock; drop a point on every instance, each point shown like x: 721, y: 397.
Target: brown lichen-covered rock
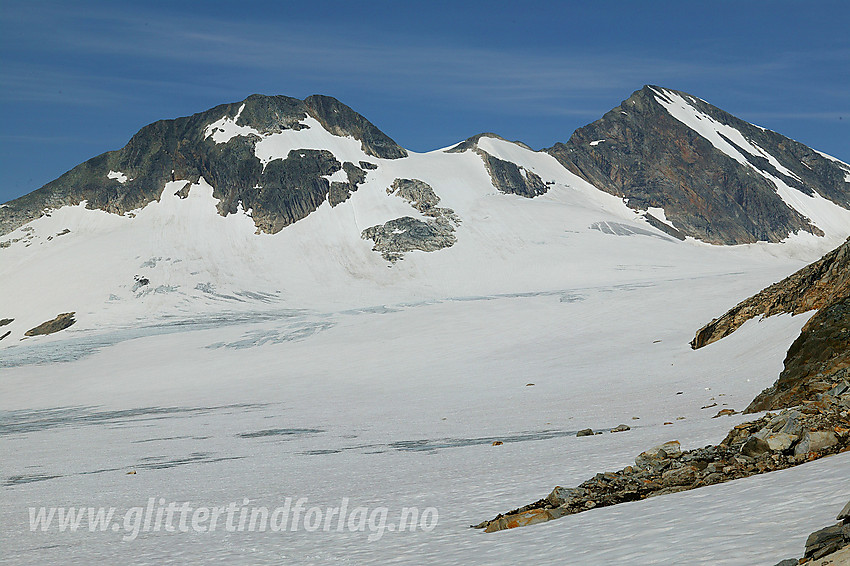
x: 819, y: 359
x: 61, y: 322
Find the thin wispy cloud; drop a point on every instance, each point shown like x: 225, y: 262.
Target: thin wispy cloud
x: 499, y: 79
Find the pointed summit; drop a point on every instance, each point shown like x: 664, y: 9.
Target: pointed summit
x: 716, y: 177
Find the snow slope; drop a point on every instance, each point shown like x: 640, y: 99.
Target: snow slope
x: 400, y: 406
x: 88, y: 261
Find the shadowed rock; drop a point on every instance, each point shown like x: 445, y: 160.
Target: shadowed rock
x: 506, y: 176
x: 511, y: 179
x: 817, y: 361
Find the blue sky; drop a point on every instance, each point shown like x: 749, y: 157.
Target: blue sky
x: 78, y: 79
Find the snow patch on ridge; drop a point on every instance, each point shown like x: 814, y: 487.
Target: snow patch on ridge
x: 658, y: 213
x: 278, y: 145
x: 340, y: 175
x: 225, y: 129
x: 118, y: 176
x: 314, y: 136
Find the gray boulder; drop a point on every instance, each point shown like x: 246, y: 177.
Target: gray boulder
x: 815, y: 441
x: 664, y: 451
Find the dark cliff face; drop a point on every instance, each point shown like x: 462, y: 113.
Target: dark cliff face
x: 506, y: 176
x: 642, y: 153
x: 285, y: 192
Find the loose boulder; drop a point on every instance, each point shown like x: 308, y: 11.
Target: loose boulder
x: 664, y: 451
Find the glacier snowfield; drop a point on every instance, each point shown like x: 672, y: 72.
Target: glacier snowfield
x: 397, y: 406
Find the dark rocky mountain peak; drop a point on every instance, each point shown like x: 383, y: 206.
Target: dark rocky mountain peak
x: 639, y: 151
x: 279, y: 193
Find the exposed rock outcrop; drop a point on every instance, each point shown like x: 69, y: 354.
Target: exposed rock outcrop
x: 506, y: 176
x: 819, y: 359
x: 184, y: 148
x: 512, y: 179
x: 812, y: 287
x: 61, y: 322
x: 400, y: 235
x: 290, y: 189
x: 640, y: 152
x: 774, y: 442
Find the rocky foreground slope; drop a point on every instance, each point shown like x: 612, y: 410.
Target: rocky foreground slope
x: 829, y: 546
x: 774, y: 442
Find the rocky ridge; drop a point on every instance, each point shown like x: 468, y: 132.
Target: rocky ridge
x: 812, y: 287
x: 819, y: 358
x: 817, y: 361
x: 774, y: 442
